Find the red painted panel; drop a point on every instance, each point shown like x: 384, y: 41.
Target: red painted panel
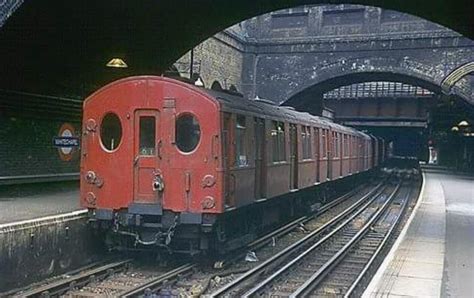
x: 113, y: 169
x: 123, y: 176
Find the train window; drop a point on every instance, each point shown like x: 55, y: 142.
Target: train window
x: 355, y: 147
x: 110, y: 131
x: 335, y: 144
x: 147, y: 135
x: 316, y: 141
x: 306, y: 141
x: 188, y: 132
x: 240, y: 142
x: 278, y: 141
x: 324, y: 151
x: 343, y: 142
x: 346, y: 145
x: 303, y: 141
x: 352, y: 146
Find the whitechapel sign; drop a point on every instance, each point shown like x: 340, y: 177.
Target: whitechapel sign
x: 66, y: 141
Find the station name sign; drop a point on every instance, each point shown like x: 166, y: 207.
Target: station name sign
x: 63, y: 141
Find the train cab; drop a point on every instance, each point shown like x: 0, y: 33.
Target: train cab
x: 150, y: 146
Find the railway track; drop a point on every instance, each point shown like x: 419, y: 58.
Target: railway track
x: 305, y: 256
x: 324, y: 213
x: 346, y: 276
x: 81, y: 278
x: 117, y: 279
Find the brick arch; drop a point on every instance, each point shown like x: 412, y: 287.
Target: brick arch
x: 146, y: 33
x: 349, y: 71
x: 384, y: 65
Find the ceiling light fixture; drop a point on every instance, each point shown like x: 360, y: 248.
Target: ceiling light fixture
x: 117, y: 63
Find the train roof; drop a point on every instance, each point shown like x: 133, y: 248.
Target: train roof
x: 267, y: 109
x: 235, y: 103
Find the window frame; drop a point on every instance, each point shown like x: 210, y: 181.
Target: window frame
x: 241, y: 141
x: 306, y: 141
x: 101, y: 134
x: 278, y: 137
x: 324, y: 143
x: 335, y: 145
x: 154, y: 151
x: 196, y: 147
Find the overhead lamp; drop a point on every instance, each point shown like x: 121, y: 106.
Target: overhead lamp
x: 117, y: 63
x: 454, y: 128
x: 463, y: 123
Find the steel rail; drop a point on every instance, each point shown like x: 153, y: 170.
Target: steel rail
x: 303, y: 219
x: 316, y: 245
x: 290, y: 249
x: 256, y: 244
x: 311, y: 283
x: 381, y: 246
x: 159, y: 281
x: 82, y: 278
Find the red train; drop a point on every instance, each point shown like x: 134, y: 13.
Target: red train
x: 168, y: 164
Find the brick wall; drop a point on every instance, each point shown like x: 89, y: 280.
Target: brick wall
x: 219, y: 58
x: 26, y: 146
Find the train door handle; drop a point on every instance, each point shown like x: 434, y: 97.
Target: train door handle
x: 135, y: 160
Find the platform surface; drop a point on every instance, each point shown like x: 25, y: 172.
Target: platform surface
x: 434, y: 256
x: 29, y: 201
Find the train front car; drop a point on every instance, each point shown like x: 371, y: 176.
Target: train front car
x: 150, y: 168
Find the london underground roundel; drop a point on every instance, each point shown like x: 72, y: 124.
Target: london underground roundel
x: 66, y: 142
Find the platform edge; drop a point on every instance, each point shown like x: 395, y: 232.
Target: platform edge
x: 391, y: 254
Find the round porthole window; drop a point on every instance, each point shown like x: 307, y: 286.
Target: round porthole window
x: 188, y: 132
x: 110, y: 131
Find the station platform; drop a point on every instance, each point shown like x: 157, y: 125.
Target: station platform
x: 28, y: 201
x: 434, y: 254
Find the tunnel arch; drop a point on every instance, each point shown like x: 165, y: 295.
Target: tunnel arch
x: 311, y: 97
x: 358, y: 70
x: 80, y: 40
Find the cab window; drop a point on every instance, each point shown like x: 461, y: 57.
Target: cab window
x: 188, y: 133
x: 147, y: 135
x: 110, y: 132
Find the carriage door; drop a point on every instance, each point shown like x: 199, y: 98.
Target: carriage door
x: 260, y: 160
x: 228, y: 159
x: 145, y: 162
x: 293, y: 157
x: 330, y: 148
x: 317, y: 152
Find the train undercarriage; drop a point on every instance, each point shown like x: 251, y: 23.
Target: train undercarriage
x: 193, y: 234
